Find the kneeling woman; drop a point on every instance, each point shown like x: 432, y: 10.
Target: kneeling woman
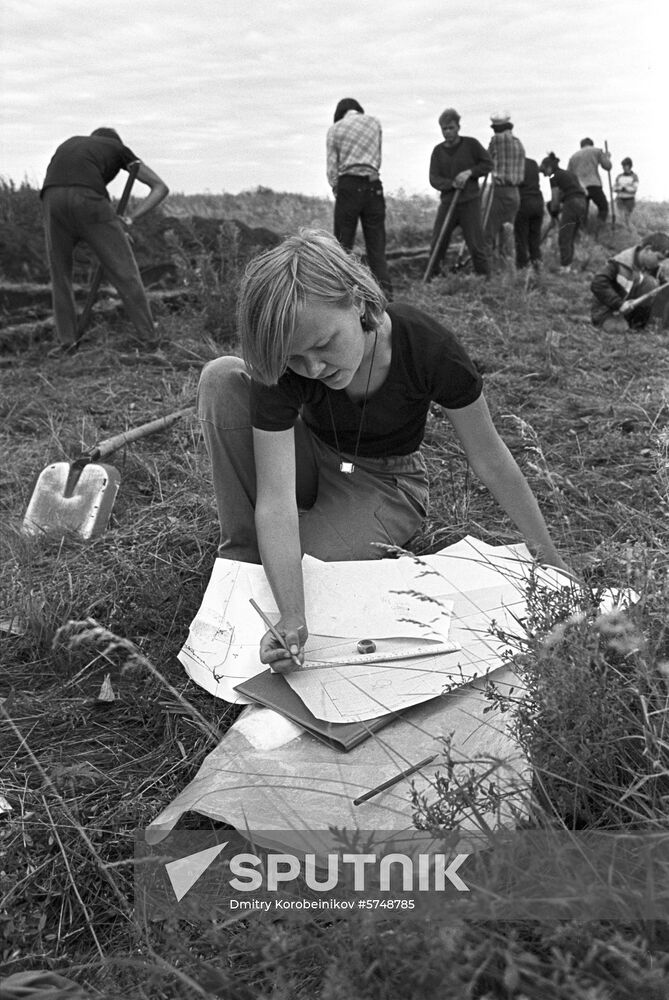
x: 315, y: 441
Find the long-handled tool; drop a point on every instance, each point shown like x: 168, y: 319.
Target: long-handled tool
x: 78, y: 496
x: 487, y: 197
x: 440, y: 238
x: 613, y: 211
x: 647, y: 296
x: 86, y: 312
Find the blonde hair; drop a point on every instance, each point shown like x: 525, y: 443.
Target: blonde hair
x: 277, y: 283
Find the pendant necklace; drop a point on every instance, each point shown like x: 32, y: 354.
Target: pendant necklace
x: 349, y: 467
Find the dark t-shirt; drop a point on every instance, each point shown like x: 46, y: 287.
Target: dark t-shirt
x: 427, y: 365
x: 530, y: 187
x: 567, y: 184
x: 88, y: 161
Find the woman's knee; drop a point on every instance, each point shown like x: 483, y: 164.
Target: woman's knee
x: 223, y: 387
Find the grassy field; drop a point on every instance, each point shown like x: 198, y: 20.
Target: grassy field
x: 587, y: 417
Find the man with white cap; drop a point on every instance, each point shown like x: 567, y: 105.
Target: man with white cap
x: 508, y: 159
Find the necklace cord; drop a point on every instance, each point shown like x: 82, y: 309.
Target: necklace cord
x: 364, y: 406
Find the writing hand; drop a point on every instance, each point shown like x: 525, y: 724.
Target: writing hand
x: 282, y: 659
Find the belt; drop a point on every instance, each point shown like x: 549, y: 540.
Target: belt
x: 365, y: 178
x: 502, y: 183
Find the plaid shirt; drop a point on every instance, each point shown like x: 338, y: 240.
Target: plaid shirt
x: 508, y: 157
x: 354, y: 147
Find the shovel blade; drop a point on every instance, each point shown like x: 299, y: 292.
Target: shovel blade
x: 85, y: 511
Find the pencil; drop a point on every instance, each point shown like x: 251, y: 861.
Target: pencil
x: 275, y: 632
x: 393, y: 781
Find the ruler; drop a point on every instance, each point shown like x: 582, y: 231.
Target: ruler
x: 388, y: 657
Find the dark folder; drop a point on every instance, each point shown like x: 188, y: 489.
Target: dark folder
x: 274, y: 691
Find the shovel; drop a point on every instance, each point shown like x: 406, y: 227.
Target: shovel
x: 78, y: 496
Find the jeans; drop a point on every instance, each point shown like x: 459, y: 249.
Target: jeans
x: 572, y: 217
x: 504, y: 208
x: 597, y: 197
x: 527, y: 230
x: 383, y: 500
x: 625, y: 207
x: 72, y: 214
x: 468, y: 217
x: 359, y: 198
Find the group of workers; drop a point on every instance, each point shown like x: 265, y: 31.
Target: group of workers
x: 77, y: 208
x: 510, y: 194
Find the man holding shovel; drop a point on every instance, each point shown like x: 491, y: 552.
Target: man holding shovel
x: 455, y: 168
x: 77, y: 207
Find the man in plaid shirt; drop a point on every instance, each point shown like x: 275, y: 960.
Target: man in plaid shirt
x: 353, y: 164
x: 508, y: 158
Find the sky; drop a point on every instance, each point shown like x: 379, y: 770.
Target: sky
x: 227, y: 95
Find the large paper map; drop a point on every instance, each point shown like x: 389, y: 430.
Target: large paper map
x: 456, y: 596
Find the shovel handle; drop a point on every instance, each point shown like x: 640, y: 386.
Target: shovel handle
x: 649, y: 295
x: 613, y: 209
x: 110, y: 445
x: 440, y: 238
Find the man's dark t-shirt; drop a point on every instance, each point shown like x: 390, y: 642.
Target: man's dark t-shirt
x: 428, y: 365
x: 567, y: 184
x: 90, y: 161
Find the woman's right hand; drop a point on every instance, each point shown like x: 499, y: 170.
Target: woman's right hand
x: 294, y: 632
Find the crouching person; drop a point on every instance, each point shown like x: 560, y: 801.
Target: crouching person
x: 619, y: 288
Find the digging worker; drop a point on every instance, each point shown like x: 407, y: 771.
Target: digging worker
x: 77, y: 207
x: 567, y: 206
x: 456, y: 165
x: 353, y: 165
x: 585, y: 163
x: 624, y: 279
x: 508, y: 169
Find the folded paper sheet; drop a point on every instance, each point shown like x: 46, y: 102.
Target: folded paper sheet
x: 268, y: 775
x: 455, y: 595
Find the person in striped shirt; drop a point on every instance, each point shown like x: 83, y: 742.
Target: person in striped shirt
x: 353, y: 165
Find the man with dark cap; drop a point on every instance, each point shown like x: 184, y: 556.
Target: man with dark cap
x: 508, y: 168
x: 456, y: 165
x: 353, y: 165
x: 76, y: 208
x: 585, y: 163
x: 625, y: 278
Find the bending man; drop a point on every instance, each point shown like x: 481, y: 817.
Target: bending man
x: 77, y: 208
